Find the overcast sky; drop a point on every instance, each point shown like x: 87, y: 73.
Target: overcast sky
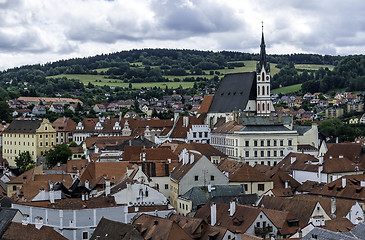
x: 40, y: 31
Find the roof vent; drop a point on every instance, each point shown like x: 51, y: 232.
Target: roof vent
x: 155, y: 222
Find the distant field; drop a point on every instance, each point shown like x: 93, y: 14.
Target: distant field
x: 249, y: 67
x: 287, y: 89
x: 85, y: 79
x: 313, y: 66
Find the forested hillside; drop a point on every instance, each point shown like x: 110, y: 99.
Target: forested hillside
x: 203, y: 69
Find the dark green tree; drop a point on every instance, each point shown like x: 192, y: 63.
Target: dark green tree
x: 24, y: 161
x: 5, y: 113
x: 59, y: 153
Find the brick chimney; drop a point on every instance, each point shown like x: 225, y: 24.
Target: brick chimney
x: 213, y: 214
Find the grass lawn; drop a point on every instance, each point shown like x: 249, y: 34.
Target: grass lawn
x: 287, y: 89
x: 101, y: 81
x: 313, y: 66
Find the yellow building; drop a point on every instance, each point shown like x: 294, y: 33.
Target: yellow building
x: 34, y: 136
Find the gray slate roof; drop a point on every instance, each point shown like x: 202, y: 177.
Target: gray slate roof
x: 200, y: 195
x: 323, y: 234
x: 259, y: 120
x: 234, y: 92
x: 264, y: 128
x: 23, y: 126
x: 6, y: 216
x: 359, y: 231
x: 302, y: 129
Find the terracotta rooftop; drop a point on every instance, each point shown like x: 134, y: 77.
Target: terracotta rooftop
x: 205, y: 105
x: 180, y: 130
x: 339, y: 225
x: 75, y: 203
x: 25, y: 232
x: 64, y: 124
x: 228, y: 127
x: 241, y: 172
x: 181, y: 169
x: 352, y: 190
x: 244, y: 217
x: 77, y: 164
x: 156, y: 228
x: 100, y: 170
x: 49, y: 99
x: 203, y: 148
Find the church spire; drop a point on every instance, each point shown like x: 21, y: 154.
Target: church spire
x: 263, y: 62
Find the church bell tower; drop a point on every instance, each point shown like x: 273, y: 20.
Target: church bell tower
x: 263, y: 101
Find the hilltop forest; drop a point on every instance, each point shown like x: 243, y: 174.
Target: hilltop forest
x: 203, y: 69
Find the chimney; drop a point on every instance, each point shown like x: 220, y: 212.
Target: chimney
x: 38, y: 221
x: 293, y: 159
x: 25, y: 220
x: 343, y: 182
x: 176, y: 116
x: 169, y: 160
x: 107, y: 187
x: 144, y: 156
x: 232, y: 208
x: 209, y: 188
x: 320, y: 160
x: 320, y: 169
x: 362, y: 183
x: 340, y: 156
x: 286, y: 184
x: 185, y: 121
x: 191, y: 158
x: 87, y: 184
x: 82, y: 197
x: 213, y: 214
x: 86, y: 196
x: 51, y: 196
x: 64, y: 118
x: 333, y: 207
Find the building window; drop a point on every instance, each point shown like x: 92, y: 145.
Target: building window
x: 262, y: 154
x: 166, y: 186
x: 211, y: 177
x: 268, y: 153
x: 275, y: 163
x: 281, y: 142
x: 275, y: 143
x: 247, y: 154
x: 275, y: 153
x: 290, y: 142
x: 205, y: 134
x: 247, y: 143
x: 268, y: 143
x: 200, y: 134
x: 281, y: 153
x: 14, y: 188
x: 196, y: 178
x: 262, y: 143
x: 255, y: 153
x: 85, y: 235
x: 246, y: 187
x: 255, y: 143
x: 194, y: 134
x: 260, y: 187
x: 40, y: 136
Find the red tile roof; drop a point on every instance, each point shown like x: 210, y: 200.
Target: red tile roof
x: 156, y: 228
x: 205, y: 105
x: 25, y: 232
x: 64, y: 124
x: 180, y: 130
x: 242, y: 172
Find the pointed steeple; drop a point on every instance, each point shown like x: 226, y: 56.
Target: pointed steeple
x: 263, y: 62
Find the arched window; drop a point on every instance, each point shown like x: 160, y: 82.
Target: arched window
x: 263, y: 107
x: 268, y: 90
x: 258, y: 107
x: 258, y: 91
x: 263, y: 76
x: 268, y: 107
x: 263, y: 90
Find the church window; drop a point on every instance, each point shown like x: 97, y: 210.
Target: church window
x: 263, y: 76
x: 267, y: 78
x: 268, y: 107
x: 263, y: 107
x: 267, y: 89
x: 263, y: 90
x: 258, y: 91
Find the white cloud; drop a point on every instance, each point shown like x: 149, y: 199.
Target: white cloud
x: 39, y: 31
